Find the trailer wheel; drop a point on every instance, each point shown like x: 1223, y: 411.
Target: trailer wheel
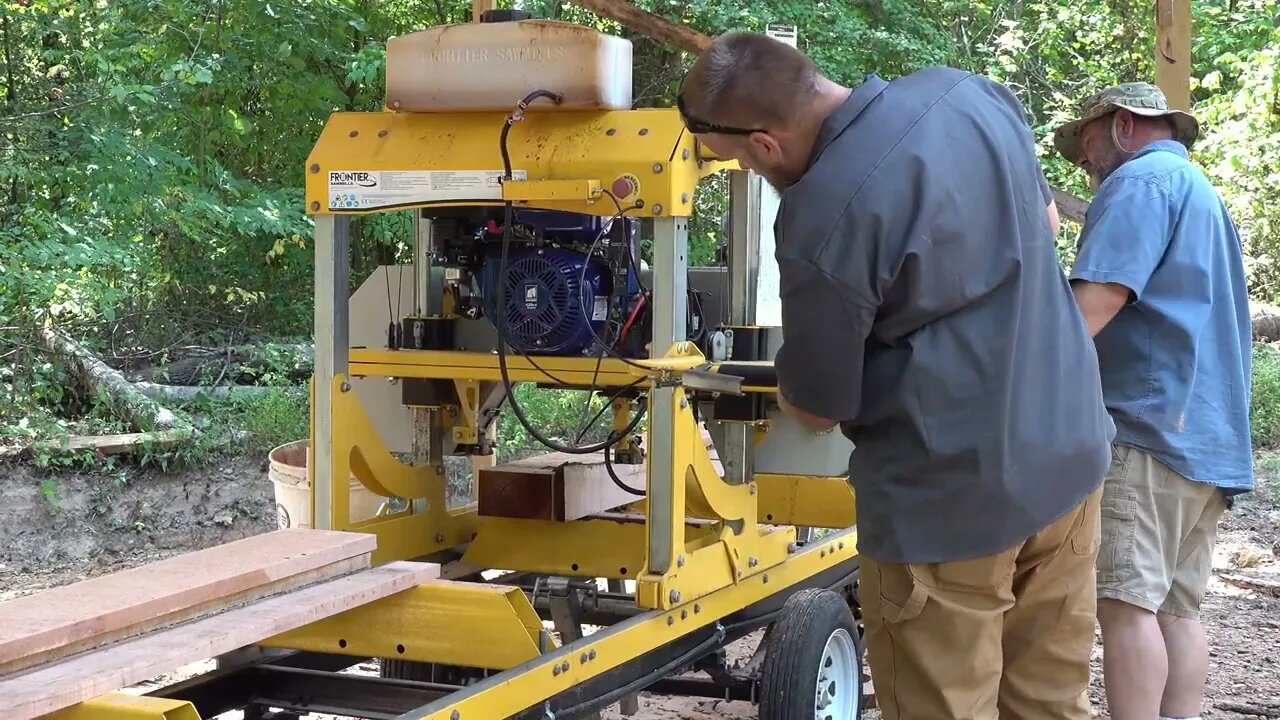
x: 813, y: 662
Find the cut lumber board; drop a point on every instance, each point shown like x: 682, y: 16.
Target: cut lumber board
x: 52, y: 687
x: 66, y: 619
x: 555, y: 486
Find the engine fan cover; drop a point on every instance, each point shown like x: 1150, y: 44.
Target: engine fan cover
x: 549, y: 310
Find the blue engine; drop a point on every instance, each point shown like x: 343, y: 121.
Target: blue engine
x: 549, y: 308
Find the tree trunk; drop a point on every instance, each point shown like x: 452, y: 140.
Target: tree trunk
x: 94, y: 376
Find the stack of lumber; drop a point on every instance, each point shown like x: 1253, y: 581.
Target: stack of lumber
x: 73, y: 643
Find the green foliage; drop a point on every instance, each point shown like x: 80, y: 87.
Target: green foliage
x: 1264, y: 411
x: 152, y: 155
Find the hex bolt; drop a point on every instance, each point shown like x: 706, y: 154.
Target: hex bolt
x: 752, y: 562
x: 697, y: 608
x: 680, y: 561
x: 345, y: 387
x: 657, y: 209
x: 315, y: 167
x: 841, y: 544
x: 611, y: 131
x: 657, y: 167
x: 684, y: 614
x: 644, y: 131
x: 395, y: 104
x: 671, y: 620
x: 684, y: 198
x: 822, y: 553
x: 439, y: 538
x: 584, y: 658
x: 752, y: 489
x: 315, y: 206
x: 353, y: 133
x: 555, y: 671
x: 766, y: 578
x: 592, y: 654
x: 382, y: 133
x: 684, y: 154
x: 792, y: 548
x: 440, y: 469
x: 564, y: 666
x: 455, y: 715
x: 675, y: 596
x: 683, y: 403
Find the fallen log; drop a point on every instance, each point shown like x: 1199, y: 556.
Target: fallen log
x: 1266, y: 321
x: 95, y: 377
x: 187, y: 393
x: 1253, y: 583
x: 1267, y: 711
x: 233, y: 364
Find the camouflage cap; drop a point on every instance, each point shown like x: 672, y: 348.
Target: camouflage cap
x: 1139, y: 98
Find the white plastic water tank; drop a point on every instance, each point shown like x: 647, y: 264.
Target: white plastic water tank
x: 490, y: 66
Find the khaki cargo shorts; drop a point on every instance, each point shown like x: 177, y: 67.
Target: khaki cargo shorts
x: 1158, y: 535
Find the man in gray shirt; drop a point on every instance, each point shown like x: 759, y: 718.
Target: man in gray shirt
x: 925, y: 312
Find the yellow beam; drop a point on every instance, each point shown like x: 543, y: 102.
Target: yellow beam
x: 460, y: 365
x: 382, y: 161
x: 121, y: 706
x: 454, y: 623
x: 1173, y: 51
x: 598, y: 654
x: 604, y: 548
x: 825, y: 502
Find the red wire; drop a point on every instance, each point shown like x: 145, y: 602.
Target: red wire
x: 622, y: 334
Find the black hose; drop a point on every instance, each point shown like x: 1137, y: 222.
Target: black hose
x: 608, y: 466
x: 508, y: 218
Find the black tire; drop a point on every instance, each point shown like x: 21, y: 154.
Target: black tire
x: 793, y: 660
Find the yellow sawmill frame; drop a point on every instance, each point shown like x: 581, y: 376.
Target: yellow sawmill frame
x: 691, y: 576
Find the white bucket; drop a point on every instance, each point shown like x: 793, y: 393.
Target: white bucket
x: 287, y: 470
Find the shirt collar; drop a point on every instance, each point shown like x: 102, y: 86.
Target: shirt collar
x: 1172, y: 146
x: 849, y: 110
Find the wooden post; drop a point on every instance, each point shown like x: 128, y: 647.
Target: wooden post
x: 479, y: 7
x: 1173, y: 51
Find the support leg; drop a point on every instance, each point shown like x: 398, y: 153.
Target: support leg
x: 332, y: 289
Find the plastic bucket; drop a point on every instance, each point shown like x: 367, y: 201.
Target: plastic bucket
x: 287, y: 470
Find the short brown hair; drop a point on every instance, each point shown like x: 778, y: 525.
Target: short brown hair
x: 749, y: 79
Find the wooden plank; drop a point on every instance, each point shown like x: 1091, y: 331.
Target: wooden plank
x: 55, y: 686
x: 326, y: 572
x: 73, y: 615
x: 555, y: 486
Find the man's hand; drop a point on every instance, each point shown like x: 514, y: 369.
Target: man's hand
x: 813, y: 422
x: 1099, y: 302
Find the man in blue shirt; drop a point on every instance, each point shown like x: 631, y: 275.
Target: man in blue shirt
x: 1159, y: 278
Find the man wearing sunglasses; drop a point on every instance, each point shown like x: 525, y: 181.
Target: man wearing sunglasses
x: 925, y: 313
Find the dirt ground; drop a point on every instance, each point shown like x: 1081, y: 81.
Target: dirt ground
x: 62, y: 527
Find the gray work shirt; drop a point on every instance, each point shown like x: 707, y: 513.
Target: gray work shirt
x: 924, y: 308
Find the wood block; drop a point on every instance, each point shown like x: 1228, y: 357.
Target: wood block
x: 555, y: 486
x: 67, y: 619
x: 60, y: 684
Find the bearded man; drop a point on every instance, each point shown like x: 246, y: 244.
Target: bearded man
x: 925, y: 312
x: 1159, y: 278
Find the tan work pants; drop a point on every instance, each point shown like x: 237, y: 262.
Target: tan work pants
x: 1005, y: 635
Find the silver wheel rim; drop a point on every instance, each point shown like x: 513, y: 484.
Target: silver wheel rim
x: 836, y: 692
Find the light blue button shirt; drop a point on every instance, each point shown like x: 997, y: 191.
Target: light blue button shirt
x: 1176, y: 360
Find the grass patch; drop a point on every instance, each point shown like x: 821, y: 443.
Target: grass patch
x: 1264, y: 407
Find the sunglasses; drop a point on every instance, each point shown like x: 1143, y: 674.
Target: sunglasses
x: 702, y: 127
